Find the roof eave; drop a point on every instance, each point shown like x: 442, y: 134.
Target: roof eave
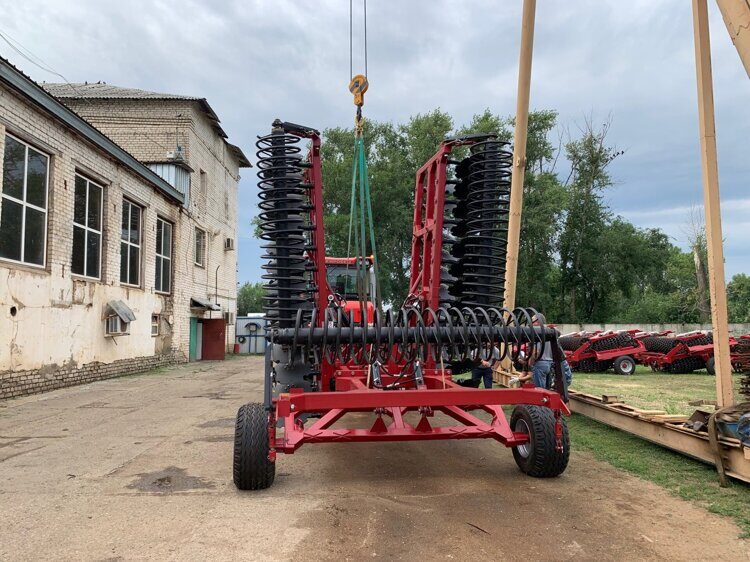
x: 241, y: 158
x: 32, y: 91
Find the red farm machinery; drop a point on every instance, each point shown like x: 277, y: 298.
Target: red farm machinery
x: 692, y: 351
x: 325, y: 363
x: 597, y: 352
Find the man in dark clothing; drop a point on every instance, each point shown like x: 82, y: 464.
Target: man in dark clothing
x: 483, y: 371
x: 542, y: 367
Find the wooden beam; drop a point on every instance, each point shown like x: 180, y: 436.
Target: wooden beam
x: 736, y: 14
x: 661, y: 432
x: 707, y: 125
x: 519, y: 150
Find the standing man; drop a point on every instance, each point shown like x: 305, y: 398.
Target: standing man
x: 483, y: 370
x: 542, y: 367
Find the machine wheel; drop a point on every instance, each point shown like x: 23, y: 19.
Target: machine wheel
x: 625, y: 365
x: 539, y: 457
x: 711, y: 366
x: 252, y: 468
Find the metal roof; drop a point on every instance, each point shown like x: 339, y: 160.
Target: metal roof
x: 104, y: 91
x: 198, y: 302
x: 31, y: 91
x: 121, y: 309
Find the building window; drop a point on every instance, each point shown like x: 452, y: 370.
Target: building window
x: 23, y: 203
x: 163, y: 282
x: 155, y: 321
x: 87, y: 228
x: 200, y: 247
x: 130, y: 244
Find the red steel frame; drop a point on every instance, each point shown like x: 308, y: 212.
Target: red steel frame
x: 437, y: 392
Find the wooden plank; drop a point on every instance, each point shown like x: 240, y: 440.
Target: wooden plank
x: 711, y: 202
x: 519, y: 150
x: 674, y: 437
x: 609, y: 398
x: 667, y: 418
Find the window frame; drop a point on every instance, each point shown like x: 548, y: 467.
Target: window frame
x: 204, y: 248
x: 155, y: 323
x: 24, y: 204
x: 87, y: 229
x: 162, y: 256
x: 131, y: 244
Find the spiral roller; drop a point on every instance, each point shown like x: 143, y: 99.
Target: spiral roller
x: 284, y: 201
x: 487, y: 173
x: 410, y: 334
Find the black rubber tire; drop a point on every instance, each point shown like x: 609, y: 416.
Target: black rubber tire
x: 711, y: 366
x: 624, y: 365
x: 541, y: 459
x: 252, y: 469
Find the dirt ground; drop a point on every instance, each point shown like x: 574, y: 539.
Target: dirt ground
x: 140, y: 468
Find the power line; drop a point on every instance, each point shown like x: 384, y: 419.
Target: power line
x: 28, y: 54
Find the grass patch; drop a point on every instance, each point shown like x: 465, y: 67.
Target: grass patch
x: 681, y: 476
x: 653, y: 391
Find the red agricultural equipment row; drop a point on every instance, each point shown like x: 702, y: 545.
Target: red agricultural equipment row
x: 683, y: 353
x: 596, y: 352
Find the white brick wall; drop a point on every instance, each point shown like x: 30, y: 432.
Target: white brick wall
x: 58, y: 321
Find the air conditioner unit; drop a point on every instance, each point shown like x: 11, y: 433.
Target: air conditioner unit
x: 116, y: 326
x: 228, y: 244
x: 229, y: 318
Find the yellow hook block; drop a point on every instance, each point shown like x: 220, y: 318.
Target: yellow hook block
x: 358, y: 87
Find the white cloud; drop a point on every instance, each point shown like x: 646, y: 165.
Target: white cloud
x: 258, y: 60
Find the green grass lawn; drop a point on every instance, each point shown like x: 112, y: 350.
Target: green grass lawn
x: 686, y: 478
x: 653, y: 391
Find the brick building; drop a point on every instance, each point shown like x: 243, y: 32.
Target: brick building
x: 117, y: 230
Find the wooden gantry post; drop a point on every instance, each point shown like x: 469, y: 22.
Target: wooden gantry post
x: 736, y: 14
x: 717, y: 283
x: 519, y: 150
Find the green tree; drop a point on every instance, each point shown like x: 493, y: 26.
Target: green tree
x: 394, y: 154
x: 250, y: 298
x: 583, y: 238
x: 738, y: 298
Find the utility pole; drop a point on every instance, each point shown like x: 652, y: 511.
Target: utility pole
x: 519, y: 150
x: 714, y: 241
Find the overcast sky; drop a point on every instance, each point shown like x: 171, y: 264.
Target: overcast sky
x: 258, y: 60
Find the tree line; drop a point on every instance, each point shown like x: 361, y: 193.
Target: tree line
x: 579, y: 261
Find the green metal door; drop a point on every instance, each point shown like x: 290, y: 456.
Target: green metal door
x: 192, y: 353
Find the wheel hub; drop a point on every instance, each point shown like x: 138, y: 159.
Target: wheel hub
x: 525, y: 449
